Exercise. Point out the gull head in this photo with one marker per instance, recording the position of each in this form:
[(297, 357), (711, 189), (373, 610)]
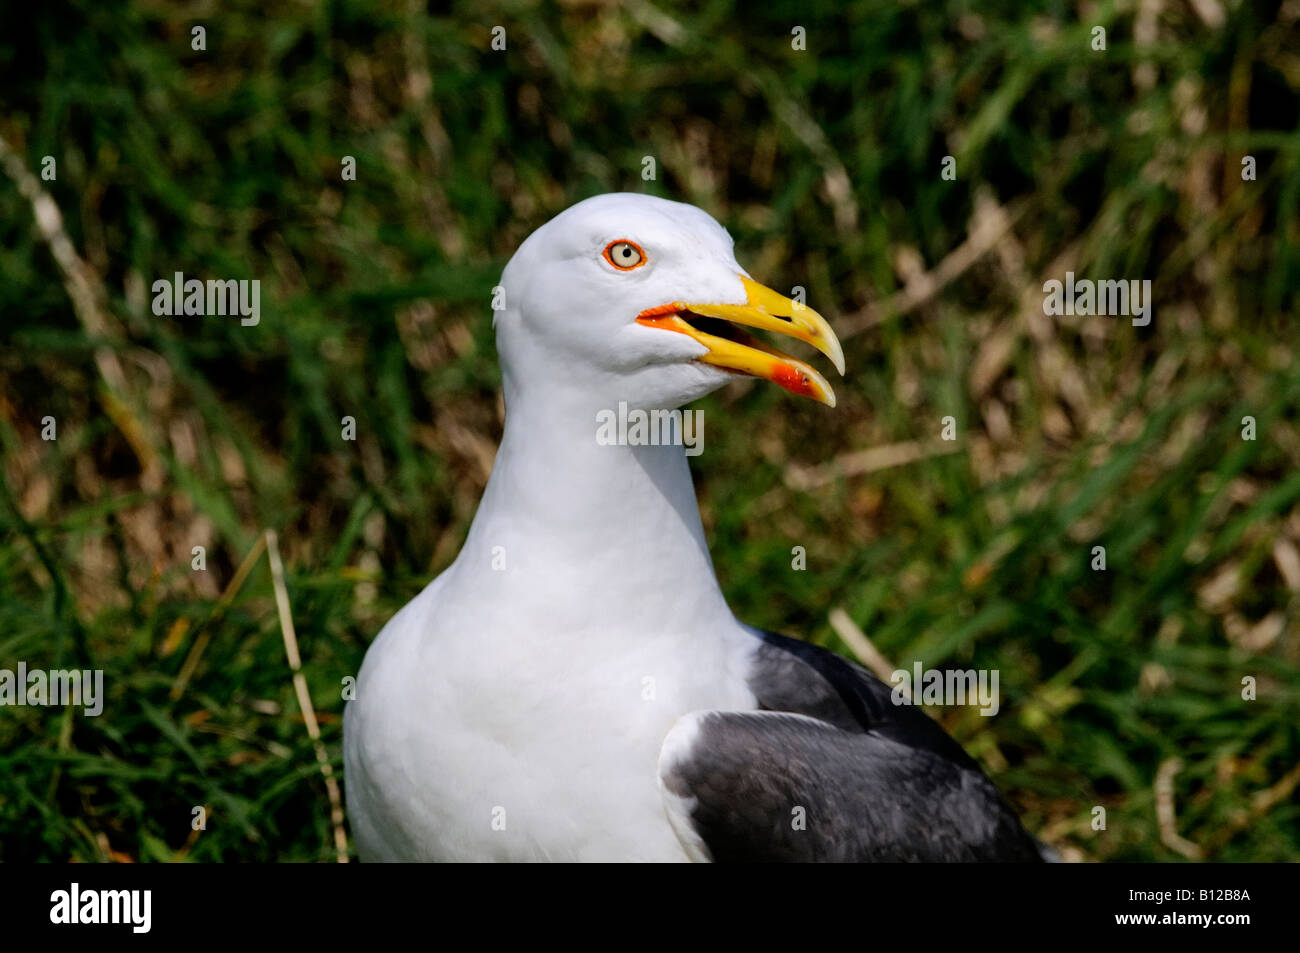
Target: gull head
[(627, 297)]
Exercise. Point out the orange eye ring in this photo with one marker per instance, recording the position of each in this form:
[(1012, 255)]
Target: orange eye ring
[(624, 254)]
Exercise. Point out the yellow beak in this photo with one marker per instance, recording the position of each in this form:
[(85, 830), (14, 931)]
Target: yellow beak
[(743, 353)]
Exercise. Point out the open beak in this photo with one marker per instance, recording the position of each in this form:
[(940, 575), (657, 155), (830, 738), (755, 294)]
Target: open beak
[(732, 349)]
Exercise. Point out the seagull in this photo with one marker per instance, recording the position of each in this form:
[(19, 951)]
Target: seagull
[(574, 686)]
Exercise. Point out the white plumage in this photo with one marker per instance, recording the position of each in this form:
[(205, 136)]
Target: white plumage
[(517, 713), (517, 709)]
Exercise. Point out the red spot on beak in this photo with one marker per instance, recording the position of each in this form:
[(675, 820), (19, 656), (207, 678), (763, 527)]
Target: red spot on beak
[(793, 380)]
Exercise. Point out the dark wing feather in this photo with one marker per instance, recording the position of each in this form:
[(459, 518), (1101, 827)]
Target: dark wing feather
[(830, 769)]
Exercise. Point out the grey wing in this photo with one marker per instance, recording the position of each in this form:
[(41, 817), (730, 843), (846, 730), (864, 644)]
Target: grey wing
[(830, 770)]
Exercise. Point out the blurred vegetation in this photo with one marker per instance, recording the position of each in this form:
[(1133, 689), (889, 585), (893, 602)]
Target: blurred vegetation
[(175, 432)]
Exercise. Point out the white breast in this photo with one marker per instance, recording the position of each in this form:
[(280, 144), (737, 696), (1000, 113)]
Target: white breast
[(477, 736)]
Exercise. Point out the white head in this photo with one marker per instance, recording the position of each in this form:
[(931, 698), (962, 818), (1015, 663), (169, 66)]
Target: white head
[(627, 297)]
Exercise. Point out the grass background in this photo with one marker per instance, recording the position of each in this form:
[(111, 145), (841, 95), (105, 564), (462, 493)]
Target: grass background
[(1120, 689)]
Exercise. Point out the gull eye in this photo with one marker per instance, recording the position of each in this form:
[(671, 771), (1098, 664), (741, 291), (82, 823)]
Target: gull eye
[(624, 255)]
